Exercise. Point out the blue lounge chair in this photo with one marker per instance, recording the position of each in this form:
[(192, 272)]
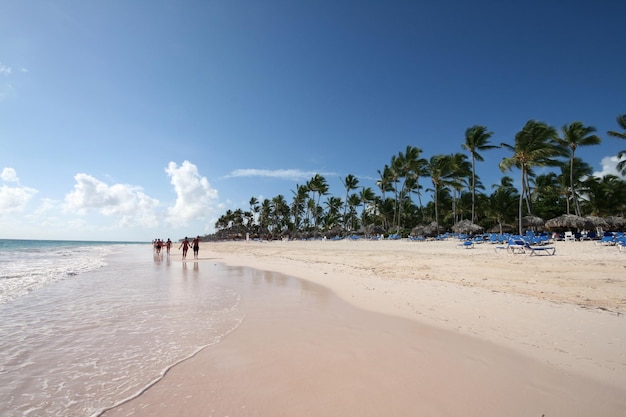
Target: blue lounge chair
[(607, 240), (468, 244), (516, 245), (539, 250)]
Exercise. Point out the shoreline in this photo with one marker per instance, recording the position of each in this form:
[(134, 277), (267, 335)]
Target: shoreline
[(366, 328)]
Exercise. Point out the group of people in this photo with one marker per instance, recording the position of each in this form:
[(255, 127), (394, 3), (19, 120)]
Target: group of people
[(159, 244), (195, 244), (185, 244)]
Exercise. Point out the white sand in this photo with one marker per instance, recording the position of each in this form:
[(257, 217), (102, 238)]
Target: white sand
[(567, 309), (489, 334)]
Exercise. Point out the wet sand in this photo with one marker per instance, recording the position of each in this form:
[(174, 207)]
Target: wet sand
[(422, 334)]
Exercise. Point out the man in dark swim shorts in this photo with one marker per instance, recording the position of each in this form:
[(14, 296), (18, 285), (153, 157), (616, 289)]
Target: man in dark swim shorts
[(196, 247)]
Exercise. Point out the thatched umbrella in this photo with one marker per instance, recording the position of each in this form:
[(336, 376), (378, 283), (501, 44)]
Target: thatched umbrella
[(374, 229), (505, 228), (566, 221), (615, 223), (532, 221), (333, 231), (418, 230), (466, 226), (595, 222), (428, 230)]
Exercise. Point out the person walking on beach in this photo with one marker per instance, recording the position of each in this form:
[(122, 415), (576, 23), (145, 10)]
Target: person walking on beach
[(196, 247), (168, 245), (185, 246)]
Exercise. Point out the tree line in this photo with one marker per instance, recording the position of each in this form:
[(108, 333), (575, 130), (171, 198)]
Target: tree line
[(456, 189)]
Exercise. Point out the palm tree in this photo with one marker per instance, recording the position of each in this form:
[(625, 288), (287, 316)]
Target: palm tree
[(535, 145), (350, 183), (279, 213), (502, 205), (461, 170), (606, 195), (621, 121), (440, 168), (476, 139), (574, 135), (410, 166), (299, 199), (353, 201), (318, 185), (578, 170), (254, 209), (332, 216), (366, 196), (394, 177), (264, 215), (548, 195), (384, 181)]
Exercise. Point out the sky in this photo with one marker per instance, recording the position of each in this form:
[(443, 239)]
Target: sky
[(133, 120)]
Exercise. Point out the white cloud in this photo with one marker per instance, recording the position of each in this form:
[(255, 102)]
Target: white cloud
[(609, 166), (13, 199), (196, 198), (126, 201), (286, 174), (9, 175)]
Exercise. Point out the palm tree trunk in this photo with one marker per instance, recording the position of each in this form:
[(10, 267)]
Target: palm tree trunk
[(571, 184), (473, 188), (437, 209), (521, 204)]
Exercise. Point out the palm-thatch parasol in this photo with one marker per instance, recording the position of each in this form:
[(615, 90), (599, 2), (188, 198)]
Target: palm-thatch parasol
[(428, 230), (502, 228), (372, 229), (532, 221), (595, 222), (566, 221), (418, 230), (334, 231), (615, 223), (431, 229), (466, 226)]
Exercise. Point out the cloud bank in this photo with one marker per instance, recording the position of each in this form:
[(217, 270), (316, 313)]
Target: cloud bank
[(128, 202)]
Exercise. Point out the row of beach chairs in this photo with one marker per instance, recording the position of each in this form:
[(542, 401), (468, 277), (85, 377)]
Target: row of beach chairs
[(519, 244), (613, 239)]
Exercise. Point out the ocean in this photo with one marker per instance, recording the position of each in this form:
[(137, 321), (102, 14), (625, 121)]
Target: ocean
[(85, 326)]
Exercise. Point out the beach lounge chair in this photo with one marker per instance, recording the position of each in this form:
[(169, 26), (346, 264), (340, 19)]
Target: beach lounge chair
[(569, 236), (516, 245), (607, 240), (539, 250), (468, 244)]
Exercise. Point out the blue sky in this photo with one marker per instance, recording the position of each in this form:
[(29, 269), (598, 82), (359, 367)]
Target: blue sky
[(130, 120)]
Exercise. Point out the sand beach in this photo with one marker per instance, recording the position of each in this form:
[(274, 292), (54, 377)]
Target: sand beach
[(398, 328)]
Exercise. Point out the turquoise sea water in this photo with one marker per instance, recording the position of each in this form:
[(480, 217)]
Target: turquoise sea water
[(87, 325), (26, 265)]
